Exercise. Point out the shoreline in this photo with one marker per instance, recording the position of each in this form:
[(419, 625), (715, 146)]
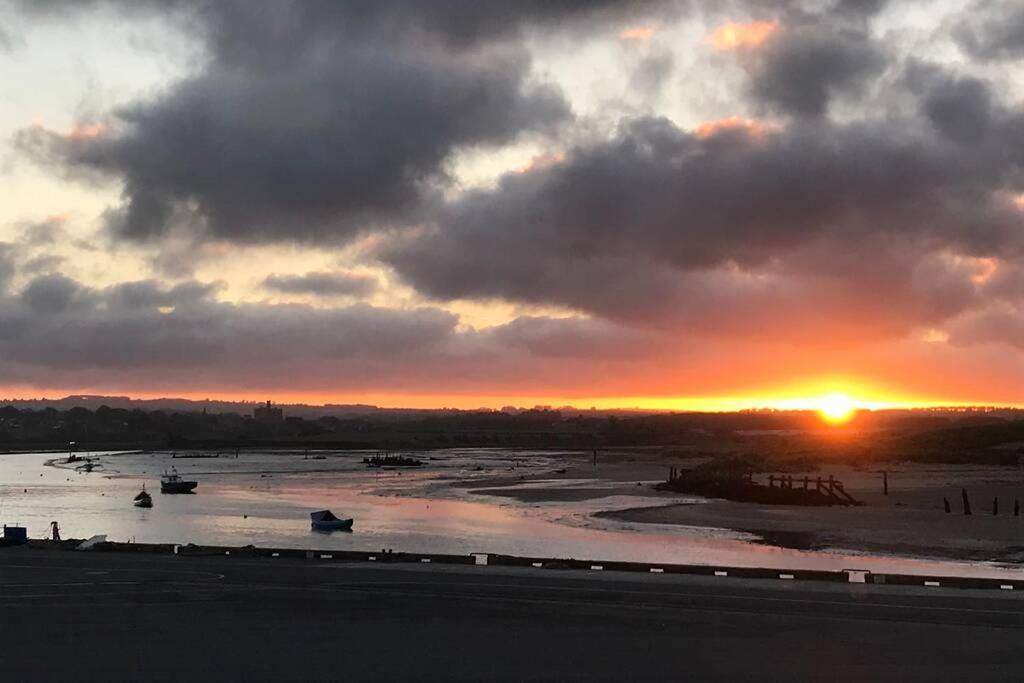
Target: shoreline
[(909, 522)]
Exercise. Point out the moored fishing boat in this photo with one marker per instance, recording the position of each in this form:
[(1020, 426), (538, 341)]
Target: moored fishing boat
[(143, 500), (172, 482), (325, 520)]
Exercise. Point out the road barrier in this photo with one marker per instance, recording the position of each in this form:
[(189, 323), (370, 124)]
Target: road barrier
[(492, 559)]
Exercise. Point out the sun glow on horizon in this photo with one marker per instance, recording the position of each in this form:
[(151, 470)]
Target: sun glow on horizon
[(836, 408)]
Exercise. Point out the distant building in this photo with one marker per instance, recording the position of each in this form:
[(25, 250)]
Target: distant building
[(268, 413)]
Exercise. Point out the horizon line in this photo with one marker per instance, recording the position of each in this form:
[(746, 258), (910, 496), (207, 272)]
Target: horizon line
[(741, 405)]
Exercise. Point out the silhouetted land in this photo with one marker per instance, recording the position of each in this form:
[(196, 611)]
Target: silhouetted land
[(768, 440), (109, 616)]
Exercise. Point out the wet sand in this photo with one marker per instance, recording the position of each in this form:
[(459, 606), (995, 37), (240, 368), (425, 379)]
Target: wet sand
[(910, 521)]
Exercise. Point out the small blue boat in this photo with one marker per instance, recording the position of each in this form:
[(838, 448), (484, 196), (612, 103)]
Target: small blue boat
[(324, 520)]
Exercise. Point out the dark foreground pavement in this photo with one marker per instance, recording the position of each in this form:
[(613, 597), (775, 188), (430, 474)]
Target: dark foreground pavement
[(113, 616)]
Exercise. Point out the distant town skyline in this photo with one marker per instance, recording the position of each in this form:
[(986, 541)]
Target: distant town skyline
[(661, 204)]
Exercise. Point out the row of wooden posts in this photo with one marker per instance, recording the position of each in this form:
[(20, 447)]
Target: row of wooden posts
[(967, 505)]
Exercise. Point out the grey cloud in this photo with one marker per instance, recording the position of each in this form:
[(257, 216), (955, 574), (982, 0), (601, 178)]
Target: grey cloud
[(728, 230), (226, 152), (144, 335), (650, 74), (142, 294), (313, 121), (7, 265), (961, 107), (52, 294), (568, 338), (43, 233), (998, 324), (46, 263), (323, 284), (801, 68), (992, 30)]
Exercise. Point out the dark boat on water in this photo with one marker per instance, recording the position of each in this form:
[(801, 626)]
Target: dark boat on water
[(172, 482), (392, 461), (143, 500), (325, 520)]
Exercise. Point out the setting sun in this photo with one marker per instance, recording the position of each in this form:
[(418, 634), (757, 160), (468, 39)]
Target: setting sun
[(836, 408)]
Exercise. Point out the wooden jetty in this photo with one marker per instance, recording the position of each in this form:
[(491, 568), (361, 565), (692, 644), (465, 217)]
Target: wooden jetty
[(781, 489)]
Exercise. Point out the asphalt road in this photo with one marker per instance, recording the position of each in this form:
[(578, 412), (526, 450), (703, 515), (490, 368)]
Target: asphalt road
[(114, 616)]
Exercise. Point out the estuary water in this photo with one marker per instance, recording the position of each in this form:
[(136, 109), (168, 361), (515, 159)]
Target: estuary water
[(264, 499)]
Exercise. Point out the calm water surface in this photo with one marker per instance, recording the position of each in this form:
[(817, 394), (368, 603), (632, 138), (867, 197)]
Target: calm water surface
[(265, 499)]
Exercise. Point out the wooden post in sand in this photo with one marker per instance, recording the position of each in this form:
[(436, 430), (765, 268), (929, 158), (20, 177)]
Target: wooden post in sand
[(967, 501), (1016, 507), (945, 504), (995, 507), (885, 483)]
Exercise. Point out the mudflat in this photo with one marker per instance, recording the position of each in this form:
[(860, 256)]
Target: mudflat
[(909, 521)]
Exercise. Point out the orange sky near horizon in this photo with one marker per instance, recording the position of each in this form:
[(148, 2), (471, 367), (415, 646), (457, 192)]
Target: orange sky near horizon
[(810, 398)]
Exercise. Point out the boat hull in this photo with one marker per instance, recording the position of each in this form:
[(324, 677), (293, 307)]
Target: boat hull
[(333, 525), (178, 486)]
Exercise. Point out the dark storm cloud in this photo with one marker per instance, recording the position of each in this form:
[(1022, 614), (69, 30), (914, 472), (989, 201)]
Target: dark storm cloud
[(801, 68), (663, 226), (330, 145), (312, 121), (991, 30), (50, 294), (323, 284), (961, 107)]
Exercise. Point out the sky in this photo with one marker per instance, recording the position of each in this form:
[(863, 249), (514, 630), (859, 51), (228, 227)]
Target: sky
[(610, 203)]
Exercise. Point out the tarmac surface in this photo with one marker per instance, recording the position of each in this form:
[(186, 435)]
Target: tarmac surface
[(121, 616)]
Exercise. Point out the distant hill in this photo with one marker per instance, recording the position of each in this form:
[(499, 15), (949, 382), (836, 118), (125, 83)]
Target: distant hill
[(211, 406)]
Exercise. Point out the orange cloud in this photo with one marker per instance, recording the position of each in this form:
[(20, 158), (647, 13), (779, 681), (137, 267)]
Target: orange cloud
[(87, 131), (637, 33), (751, 127), (541, 162), (82, 131), (739, 36)]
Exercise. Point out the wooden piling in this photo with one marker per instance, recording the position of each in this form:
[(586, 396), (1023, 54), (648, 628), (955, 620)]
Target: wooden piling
[(885, 483), (1016, 507), (967, 501), (995, 507), (945, 504)]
